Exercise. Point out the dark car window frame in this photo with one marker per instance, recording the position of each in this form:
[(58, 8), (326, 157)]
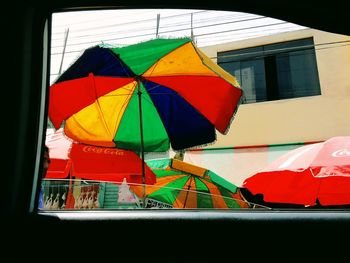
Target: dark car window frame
[(178, 236), (285, 215), (28, 136)]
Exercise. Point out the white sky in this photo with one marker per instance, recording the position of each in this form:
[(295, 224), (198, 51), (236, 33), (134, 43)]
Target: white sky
[(123, 27)]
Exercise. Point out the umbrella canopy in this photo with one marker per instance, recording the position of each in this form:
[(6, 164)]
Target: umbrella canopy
[(183, 185), (316, 172), (157, 93), (93, 162)]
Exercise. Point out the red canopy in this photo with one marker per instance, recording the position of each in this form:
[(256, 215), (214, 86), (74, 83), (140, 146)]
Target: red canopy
[(58, 168), (93, 162), (317, 171)]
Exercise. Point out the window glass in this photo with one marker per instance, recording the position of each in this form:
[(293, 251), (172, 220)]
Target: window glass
[(158, 109), (275, 71)]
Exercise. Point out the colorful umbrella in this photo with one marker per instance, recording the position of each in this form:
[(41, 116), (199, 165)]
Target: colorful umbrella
[(316, 172), (183, 185), (93, 162), (178, 93)]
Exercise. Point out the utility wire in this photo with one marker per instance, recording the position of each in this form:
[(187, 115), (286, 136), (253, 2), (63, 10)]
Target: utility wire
[(168, 25), (143, 21), (152, 34), (259, 54), (165, 27), (320, 46)]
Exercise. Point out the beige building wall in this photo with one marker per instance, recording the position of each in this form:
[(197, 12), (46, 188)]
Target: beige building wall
[(301, 119)]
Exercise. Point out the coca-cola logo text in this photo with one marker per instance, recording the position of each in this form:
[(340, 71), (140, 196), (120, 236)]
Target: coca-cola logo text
[(341, 153), (111, 151)]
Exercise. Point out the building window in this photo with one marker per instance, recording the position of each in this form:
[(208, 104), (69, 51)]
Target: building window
[(274, 72)]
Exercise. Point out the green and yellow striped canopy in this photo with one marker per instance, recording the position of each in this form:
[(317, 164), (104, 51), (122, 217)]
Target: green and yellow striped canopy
[(183, 185)]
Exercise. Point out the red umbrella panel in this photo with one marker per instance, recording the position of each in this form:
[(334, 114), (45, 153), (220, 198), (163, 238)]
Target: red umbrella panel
[(93, 162), (318, 172), (145, 97)]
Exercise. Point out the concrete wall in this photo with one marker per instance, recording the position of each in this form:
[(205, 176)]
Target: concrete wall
[(301, 119)]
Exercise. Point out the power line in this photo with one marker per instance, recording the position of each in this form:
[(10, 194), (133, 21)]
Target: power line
[(319, 46), (168, 26), (286, 49), (171, 31), (99, 18), (143, 21)]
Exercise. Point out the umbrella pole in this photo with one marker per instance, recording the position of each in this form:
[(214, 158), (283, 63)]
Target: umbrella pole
[(139, 93), (188, 189)]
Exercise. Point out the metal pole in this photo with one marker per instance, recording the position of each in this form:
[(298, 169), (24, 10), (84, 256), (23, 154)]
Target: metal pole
[(192, 35), (192, 27), (139, 93), (158, 21), (64, 50), (188, 189)]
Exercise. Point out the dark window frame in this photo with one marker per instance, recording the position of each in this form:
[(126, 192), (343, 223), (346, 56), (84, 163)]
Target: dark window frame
[(266, 71)]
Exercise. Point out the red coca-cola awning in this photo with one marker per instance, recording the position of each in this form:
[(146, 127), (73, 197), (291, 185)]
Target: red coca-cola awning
[(108, 164), (58, 168), (93, 162)]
